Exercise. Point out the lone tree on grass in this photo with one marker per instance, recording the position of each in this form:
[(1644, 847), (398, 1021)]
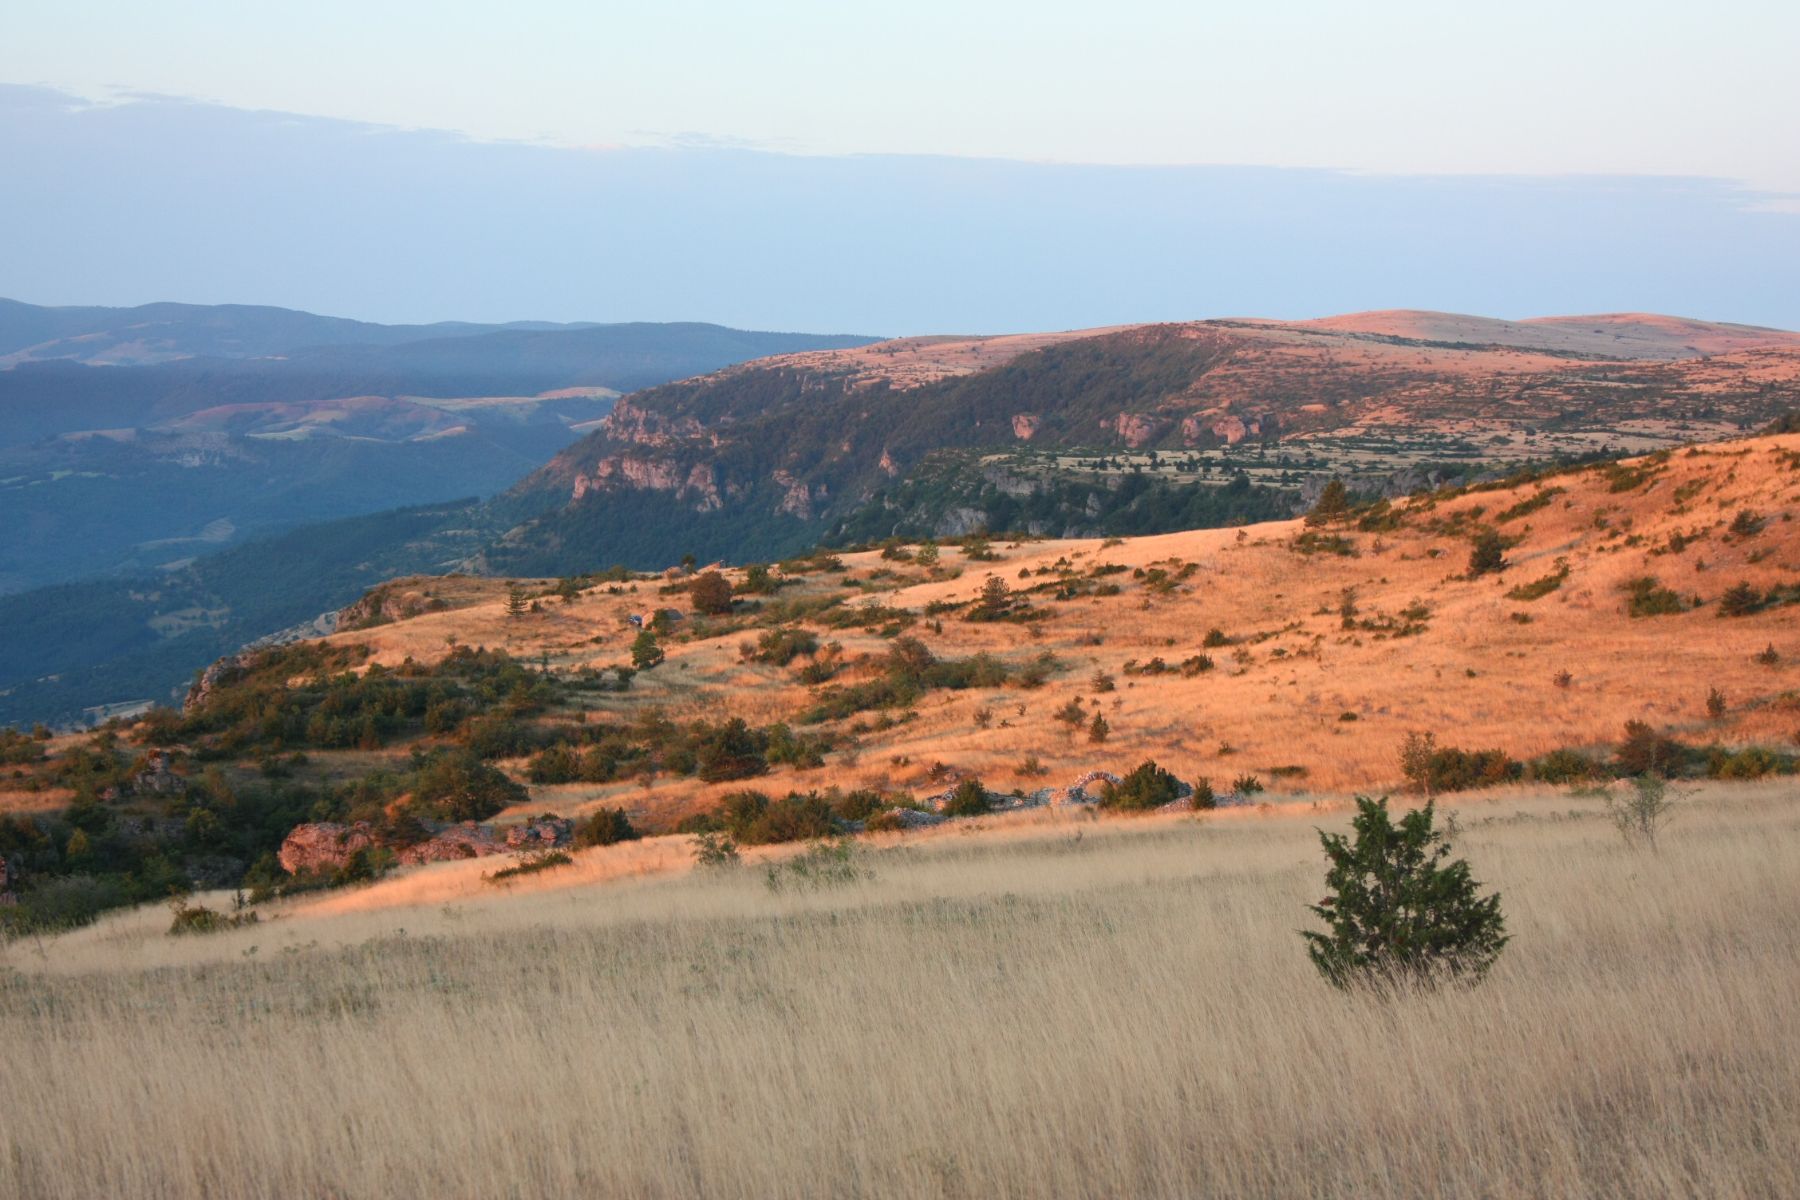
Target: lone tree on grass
[(1399, 913), (515, 600), (1488, 554), (712, 594)]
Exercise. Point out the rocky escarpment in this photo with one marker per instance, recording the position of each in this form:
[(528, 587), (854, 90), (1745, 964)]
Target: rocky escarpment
[(322, 847)]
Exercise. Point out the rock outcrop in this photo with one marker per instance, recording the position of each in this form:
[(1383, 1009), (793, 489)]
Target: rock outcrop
[(323, 846)]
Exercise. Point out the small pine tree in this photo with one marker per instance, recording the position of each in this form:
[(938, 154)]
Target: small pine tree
[(1332, 504), (1488, 554), (1098, 729), (515, 600), (1397, 911)]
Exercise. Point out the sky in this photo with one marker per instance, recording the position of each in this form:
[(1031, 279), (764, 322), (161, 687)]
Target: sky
[(1519, 158)]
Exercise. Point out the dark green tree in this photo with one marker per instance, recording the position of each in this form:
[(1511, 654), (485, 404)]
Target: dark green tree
[(1398, 911), (1332, 504), (515, 600), (645, 651), (1488, 554)]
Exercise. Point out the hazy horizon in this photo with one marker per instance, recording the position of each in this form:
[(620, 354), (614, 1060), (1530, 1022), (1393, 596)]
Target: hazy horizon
[(168, 199)]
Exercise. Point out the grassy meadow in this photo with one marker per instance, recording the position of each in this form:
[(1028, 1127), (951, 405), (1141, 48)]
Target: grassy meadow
[(1031, 1006)]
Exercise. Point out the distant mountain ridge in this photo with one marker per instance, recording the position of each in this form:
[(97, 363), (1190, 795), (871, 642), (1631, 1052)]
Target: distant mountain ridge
[(840, 439), (255, 421), (167, 331)]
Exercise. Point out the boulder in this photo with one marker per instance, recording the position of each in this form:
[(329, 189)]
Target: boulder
[(323, 846), (545, 833), (453, 842), (156, 778)]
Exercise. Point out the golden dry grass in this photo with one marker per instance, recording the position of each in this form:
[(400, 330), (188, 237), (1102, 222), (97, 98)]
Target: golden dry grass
[(1476, 675), (1099, 1009)]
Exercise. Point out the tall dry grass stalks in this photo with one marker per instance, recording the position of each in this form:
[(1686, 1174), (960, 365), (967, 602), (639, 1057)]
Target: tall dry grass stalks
[(1107, 1009)]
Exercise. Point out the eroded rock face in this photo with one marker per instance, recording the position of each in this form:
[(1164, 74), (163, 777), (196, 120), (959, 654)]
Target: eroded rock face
[(545, 833), (224, 671), (698, 485), (1138, 429), (627, 422), (797, 499), (156, 778), (467, 840), (323, 846), (1025, 425)]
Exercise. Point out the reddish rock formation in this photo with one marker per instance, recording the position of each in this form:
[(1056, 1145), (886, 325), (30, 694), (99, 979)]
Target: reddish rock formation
[(1138, 429), (323, 846)]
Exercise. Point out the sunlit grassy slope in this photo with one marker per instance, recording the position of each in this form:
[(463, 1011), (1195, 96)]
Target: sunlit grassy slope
[(1063, 1007)]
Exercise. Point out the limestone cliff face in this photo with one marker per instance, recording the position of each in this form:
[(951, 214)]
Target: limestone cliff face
[(1226, 426), (1138, 429), (633, 423), (697, 485)]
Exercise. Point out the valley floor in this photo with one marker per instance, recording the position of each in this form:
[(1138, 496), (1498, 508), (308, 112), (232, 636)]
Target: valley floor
[(1069, 1006)]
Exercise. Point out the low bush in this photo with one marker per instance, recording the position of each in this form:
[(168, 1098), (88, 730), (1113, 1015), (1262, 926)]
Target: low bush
[(1562, 766), (605, 827), (1431, 768), (531, 864), (969, 799), (822, 865), (1646, 597), (1147, 786)]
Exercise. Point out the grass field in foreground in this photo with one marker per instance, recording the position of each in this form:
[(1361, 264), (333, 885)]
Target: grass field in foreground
[(1098, 1008)]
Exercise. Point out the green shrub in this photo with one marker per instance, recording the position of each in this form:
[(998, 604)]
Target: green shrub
[(1147, 786), (1562, 766), (1488, 554), (731, 751), (1537, 589), (821, 865), (531, 864), (754, 819), (780, 647), (455, 785), (969, 799), (197, 918), (1333, 503), (1431, 768), (605, 827), (1752, 762), (1398, 910), (715, 850), (1740, 600), (1646, 597)]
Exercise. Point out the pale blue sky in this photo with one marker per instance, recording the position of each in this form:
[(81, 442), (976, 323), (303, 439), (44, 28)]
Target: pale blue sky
[(1528, 86), (902, 169)]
